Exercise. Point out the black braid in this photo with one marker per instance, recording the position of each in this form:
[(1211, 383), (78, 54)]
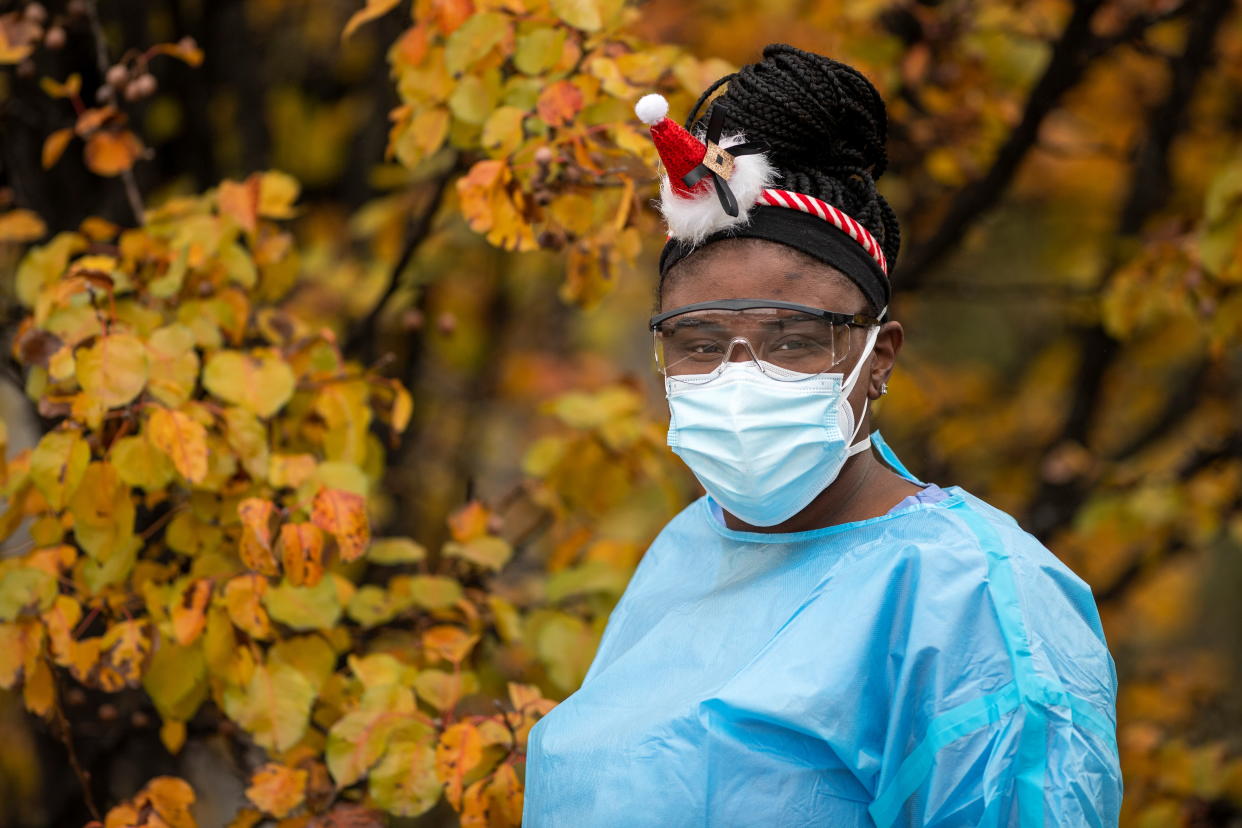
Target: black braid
[(826, 126)]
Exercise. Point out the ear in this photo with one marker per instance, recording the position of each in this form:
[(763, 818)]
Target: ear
[(884, 357)]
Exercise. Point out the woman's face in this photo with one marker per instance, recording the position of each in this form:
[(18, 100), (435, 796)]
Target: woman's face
[(758, 269)]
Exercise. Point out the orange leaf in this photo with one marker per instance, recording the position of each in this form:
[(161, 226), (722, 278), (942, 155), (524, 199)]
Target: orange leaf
[(170, 798), (559, 103), (54, 146), (243, 598), (450, 14), (505, 791), (372, 10), (186, 50), (183, 439), (21, 226), (469, 522), (112, 153), (277, 789), (301, 551), (449, 643), (240, 200), (256, 540), (460, 748), (344, 515), (189, 612)]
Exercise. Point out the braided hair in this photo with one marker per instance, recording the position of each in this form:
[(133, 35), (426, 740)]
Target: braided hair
[(825, 126)]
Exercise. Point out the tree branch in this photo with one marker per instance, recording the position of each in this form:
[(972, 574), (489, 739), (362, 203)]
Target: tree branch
[(364, 335), (101, 59), (1056, 503), (1065, 68)]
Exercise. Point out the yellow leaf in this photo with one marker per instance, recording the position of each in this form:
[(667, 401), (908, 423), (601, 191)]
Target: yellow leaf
[(172, 734), (369, 12), (39, 689), (103, 512), (188, 611), (343, 514), (185, 50), (505, 791), (301, 553), (540, 50), (172, 364), (54, 146), (183, 439), (256, 540), (21, 226), (57, 465), (488, 552), (581, 14), (18, 36), (260, 381), (243, 598), (111, 153), (170, 798), (460, 748), (277, 789), (502, 132), (114, 369), (290, 470), (277, 193), (124, 650)]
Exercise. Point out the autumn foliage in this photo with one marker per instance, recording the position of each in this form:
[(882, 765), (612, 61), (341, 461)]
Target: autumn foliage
[(340, 461)]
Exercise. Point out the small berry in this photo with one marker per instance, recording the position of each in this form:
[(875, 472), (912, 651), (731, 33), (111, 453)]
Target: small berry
[(104, 94), (108, 712), (26, 69), (117, 76), (55, 38), (412, 319), (76, 8), (447, 323), (544, 155), (35, 13)]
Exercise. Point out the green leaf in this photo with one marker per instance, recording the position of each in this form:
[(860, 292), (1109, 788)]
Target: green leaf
[(405, 782), (540, 50), (176, 680), (395, 551), (431, 592), (260, 381), (141, 464), (488, 552), (474, 39), (23, 589), (273, 706), (305, 607)]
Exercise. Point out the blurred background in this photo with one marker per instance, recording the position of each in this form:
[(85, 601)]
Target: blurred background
[(1069, 180)]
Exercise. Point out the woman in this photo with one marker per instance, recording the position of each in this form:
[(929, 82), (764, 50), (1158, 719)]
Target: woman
[(822, 639)]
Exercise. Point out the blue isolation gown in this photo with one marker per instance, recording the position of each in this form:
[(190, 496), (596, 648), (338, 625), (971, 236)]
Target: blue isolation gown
[(932, 666)]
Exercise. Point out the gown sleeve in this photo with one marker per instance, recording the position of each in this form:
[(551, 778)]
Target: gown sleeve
[(1029, 738)]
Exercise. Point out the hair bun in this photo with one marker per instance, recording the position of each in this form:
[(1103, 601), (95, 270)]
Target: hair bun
[(825, 125)]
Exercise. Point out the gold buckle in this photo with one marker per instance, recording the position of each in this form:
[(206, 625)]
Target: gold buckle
[(718, 160)]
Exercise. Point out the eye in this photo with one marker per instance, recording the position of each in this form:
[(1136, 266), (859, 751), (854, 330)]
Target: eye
[(705, 348), (793, 345)]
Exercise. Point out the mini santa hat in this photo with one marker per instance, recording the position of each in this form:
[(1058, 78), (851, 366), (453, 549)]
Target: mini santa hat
[(708, 185)]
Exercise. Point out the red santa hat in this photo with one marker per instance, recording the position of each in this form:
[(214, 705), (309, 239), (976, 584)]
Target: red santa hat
[(709, 183)]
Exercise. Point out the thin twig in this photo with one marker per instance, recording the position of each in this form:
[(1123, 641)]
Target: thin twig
[(101, 60), (66, 736)]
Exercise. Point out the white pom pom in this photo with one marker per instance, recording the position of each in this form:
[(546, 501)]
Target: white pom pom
[(651, 109)]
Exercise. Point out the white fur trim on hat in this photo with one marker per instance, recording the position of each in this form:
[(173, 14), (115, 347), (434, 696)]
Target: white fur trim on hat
[(694, 219)]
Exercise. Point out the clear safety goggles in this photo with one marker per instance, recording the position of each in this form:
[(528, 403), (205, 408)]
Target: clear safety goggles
[(693, 343)]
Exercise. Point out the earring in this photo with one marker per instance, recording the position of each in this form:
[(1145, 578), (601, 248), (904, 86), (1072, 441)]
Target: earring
[(883, 389)]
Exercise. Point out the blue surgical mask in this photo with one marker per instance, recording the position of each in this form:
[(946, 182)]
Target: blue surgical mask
[(764, 448)]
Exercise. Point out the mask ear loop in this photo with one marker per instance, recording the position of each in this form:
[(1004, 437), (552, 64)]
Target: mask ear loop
[(848, 386)]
